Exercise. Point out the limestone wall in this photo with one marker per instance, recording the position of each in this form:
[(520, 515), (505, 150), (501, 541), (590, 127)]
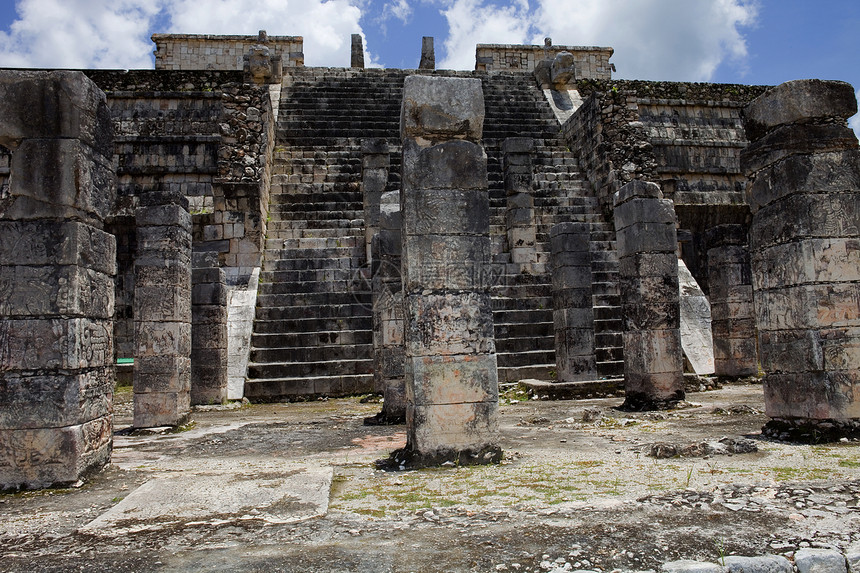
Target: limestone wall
[(687, 137), (591, 62), (205, 135), (210, 52)]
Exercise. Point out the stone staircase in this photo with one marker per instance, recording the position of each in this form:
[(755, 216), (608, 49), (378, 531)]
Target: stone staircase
[(522, 302), (312, 332)]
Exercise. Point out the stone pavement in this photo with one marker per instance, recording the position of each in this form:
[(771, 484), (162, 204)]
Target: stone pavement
[(292, 487)]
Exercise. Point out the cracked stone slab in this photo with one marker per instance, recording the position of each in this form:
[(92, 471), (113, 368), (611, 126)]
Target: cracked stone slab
[(270, 491)]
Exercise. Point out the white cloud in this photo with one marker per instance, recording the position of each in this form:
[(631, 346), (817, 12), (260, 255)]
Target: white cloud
[(325, 26), (653, 39), (80, 34), (399, 9), (473, 22), (115, 33), (854, 122)]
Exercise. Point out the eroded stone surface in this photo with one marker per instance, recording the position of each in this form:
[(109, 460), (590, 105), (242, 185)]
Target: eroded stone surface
[(57, 271), (451, 378)]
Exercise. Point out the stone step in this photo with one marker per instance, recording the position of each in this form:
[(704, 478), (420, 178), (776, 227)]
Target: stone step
[(527, 316), (281, 254), (525, 358), (610, 369), (269, 370), (313, 324), (305, 264), (524, 344), (311, 339), (276, 389), (609, 354), (320, 243), (608, 325), (608, 340), (520, 330), (533, 371), (312, 299), (517, 303), (309, 354), (303, 311), (309, 275), (309, 286), (274, 231)]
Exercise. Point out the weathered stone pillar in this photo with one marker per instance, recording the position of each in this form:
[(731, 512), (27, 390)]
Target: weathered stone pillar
[(573, 312), (451, 377), (428, 54), (375, 163), (356, 57), (520, 214), (388, 345), (648, 266), (804, 168), (57, 269), (208, 330), (732, 310), (162, 310)]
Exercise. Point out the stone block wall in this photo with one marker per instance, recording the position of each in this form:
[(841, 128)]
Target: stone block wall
[(212, 52), (591, 62), (687, 137), (206, 136), (57, 267)]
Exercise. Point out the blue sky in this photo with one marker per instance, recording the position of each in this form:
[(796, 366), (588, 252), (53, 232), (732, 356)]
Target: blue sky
[(743, 41)]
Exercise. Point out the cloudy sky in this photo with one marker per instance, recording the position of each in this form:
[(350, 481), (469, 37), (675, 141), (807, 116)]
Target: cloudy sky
[(745, 41)]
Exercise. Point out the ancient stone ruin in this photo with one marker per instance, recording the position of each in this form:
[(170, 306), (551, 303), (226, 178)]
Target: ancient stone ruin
[(243, 226)]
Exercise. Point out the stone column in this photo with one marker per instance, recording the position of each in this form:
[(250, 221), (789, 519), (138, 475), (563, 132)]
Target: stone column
[(803, 163), (732, 310), (57, 269), (573, 312), (388, 346), (451, 377), (520, 214), (428, 54), (356, 57), (375, 163), (648, 267), (162, 310), (208, 330)]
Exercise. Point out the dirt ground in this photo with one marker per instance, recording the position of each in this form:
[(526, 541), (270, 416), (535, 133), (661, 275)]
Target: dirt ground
[(577, 489)]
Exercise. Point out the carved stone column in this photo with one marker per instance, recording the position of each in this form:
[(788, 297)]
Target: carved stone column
[(451, 377), (648, 265), (57, 268), (573, 313), (732, 309), (804, 168), (162, 310), (388, 344), (208, 330), (520, 214)]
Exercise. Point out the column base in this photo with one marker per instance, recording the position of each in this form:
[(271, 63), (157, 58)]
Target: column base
[(809, 431), (409, 459)]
